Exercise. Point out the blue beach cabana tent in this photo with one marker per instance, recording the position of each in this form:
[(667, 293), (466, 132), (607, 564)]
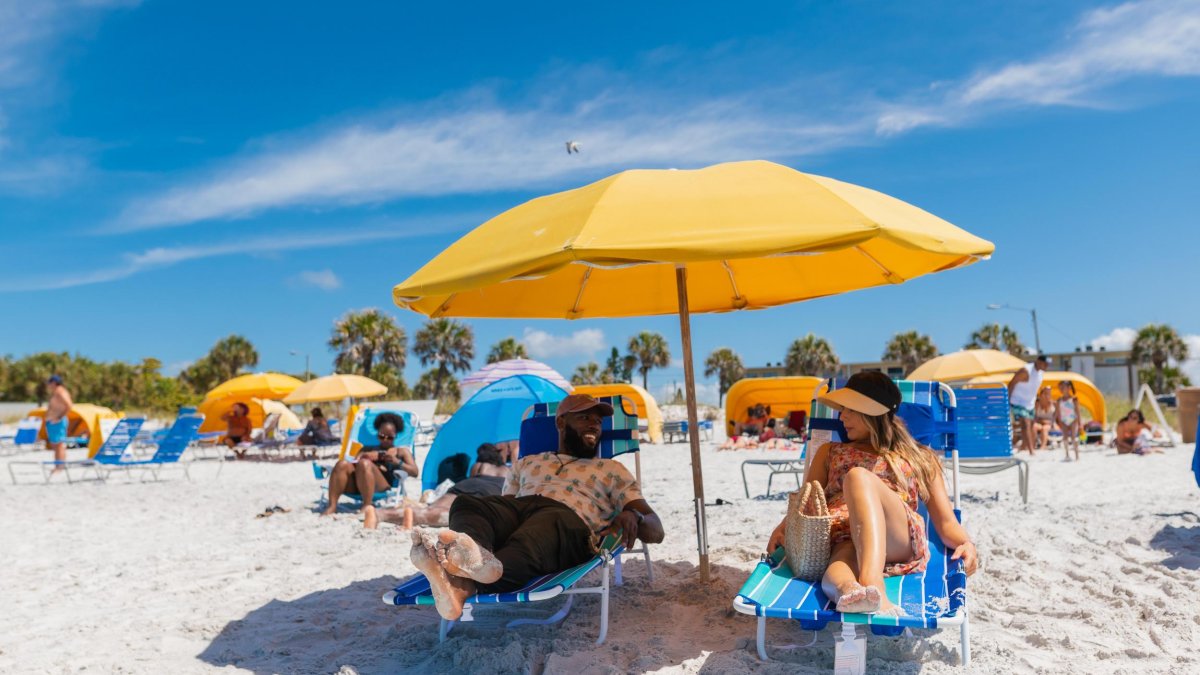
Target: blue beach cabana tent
[(492, 415)]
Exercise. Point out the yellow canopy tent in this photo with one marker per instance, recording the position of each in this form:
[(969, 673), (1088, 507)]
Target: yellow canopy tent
[(783, 394), (741, 235), (94, 420), (965, 364), (1090, 397), (255, 385), (647, 407), (259, 409)]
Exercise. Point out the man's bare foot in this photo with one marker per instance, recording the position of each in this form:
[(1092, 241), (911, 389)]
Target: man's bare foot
[(462, 557), (859, 599), (449, 593), (58, 469), (370, 519)]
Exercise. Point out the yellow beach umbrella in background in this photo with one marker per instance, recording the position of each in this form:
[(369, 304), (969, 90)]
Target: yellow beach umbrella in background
[(964, 365), (256, 385), (335, 388), (743, 235), (1089, 395), (213, 409)]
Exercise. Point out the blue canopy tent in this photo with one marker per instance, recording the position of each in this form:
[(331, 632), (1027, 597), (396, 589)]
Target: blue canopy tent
[(492, 415)]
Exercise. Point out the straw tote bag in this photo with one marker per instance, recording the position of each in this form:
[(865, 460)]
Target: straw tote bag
[(806, 534)]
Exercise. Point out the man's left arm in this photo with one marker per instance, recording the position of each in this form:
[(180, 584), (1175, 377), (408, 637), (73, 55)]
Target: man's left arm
[(637, 521)]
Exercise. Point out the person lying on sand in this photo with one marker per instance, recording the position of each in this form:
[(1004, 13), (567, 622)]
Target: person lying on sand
[(374, 470), (554, 507), (872, 484), (487, 480)]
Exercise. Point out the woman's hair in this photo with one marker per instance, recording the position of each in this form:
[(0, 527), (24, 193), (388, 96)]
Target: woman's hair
[(1136, 415), (489, 454), (316, 412), (1069, 385), (243, 407), (396, 420), (888, 434)]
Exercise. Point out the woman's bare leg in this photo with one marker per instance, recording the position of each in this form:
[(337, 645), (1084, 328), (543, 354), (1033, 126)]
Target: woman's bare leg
[(339, 479), (369, 480), (878, 527), (841, 577)]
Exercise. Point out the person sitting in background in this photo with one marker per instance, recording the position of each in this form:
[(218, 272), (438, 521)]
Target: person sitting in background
[(238, 427), (1043, 417), (1066, 414), (317, 432), (374, 470), (1134, 435), (769, 432), (756, 420), (486, 479)]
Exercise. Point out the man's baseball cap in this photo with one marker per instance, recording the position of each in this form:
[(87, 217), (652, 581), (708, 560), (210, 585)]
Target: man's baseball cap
[(54, 379), (582, 403), (869, 393)]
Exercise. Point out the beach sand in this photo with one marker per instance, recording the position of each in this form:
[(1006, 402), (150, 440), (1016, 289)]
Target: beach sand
[(1099, 573)]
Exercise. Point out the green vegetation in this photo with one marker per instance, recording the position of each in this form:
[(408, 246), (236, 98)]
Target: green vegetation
[(996, 336), (506, 350), (727, 366), (911, 349), (650, 351), (1158, 345), (811, 355)]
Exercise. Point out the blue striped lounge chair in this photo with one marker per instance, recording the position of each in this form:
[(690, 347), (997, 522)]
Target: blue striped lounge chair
[(362, 433), (538, 434), (24, 437), (167, 455), (934, 598), (114, 448), (985, 435)]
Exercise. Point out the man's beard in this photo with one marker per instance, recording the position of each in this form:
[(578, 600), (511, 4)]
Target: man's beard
[(574, 445)]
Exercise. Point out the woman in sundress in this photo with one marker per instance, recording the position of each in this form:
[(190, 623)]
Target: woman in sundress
[(872, 484)]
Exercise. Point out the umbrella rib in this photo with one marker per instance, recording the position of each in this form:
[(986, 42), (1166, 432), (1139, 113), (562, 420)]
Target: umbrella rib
[(738, 301), (891, 276), (587, 274), (445, 306)]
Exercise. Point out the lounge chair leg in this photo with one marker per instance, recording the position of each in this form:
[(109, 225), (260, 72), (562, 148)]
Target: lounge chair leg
[(1023, 476), (649, 567), (964, 645), (769, 479), (444, 629), (617, 577), (603, 606), (745, 485), (761, 638)]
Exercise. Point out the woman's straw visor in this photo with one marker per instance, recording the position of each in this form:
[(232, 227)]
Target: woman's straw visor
[(848, 399)]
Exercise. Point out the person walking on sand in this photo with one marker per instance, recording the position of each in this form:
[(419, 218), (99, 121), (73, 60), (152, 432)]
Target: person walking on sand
[(872, 483), (555, 508), (374, 470), (1022, 392), (57, 408)]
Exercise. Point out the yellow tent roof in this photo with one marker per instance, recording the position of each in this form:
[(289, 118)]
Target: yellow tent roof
[(259, 409), (1090, 397), (647, 407), (335, 388), (83, 416), (965, 364), (783, 394), (257, 385)]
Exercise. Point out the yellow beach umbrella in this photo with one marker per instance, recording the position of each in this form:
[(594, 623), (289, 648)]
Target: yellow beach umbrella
[(1089, 395), (213, 409), (743, 235), (256, 385), (966, 364), (335, 388)]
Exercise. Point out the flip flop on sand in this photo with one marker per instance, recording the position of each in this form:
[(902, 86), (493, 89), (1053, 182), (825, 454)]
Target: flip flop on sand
[(272, 510)]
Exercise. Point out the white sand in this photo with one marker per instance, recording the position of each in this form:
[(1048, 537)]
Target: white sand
[(1098, 574)]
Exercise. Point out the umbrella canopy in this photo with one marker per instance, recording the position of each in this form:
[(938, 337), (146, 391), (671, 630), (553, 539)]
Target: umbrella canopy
[(213, 409), (743, 235), (645, 407), (335, 388), (783, 394), (256, 385), (502, 369), (1089, 395), (966, 364)]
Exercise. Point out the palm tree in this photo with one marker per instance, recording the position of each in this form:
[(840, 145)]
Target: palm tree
[(230, 356), (996, 336), (447, 344), (365, 339), (1158, 344), (911, 349), (588, 373), (507, 349), (447, 396), (648, 351), (727, 366), (811, 355)]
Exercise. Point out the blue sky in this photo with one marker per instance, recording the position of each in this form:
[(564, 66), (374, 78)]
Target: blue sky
[(171, 173)]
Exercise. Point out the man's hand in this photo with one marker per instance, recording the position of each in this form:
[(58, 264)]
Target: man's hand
[(626, 523)]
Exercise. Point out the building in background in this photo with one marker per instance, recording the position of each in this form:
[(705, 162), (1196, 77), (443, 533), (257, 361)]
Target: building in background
[(1114, 373)]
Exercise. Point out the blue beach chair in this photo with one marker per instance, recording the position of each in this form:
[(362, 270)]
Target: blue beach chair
[(114, 448), (25, 436), (985, 435), (362, 434), (934, 598), (538, 434), (168, 454)]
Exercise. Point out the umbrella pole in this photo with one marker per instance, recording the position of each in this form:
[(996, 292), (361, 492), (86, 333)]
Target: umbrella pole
[(689, 380)]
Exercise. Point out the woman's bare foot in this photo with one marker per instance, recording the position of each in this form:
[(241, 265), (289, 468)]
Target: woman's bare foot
[(462, 557), (329, 510), (859, 599), (449, 593), (370, 518)]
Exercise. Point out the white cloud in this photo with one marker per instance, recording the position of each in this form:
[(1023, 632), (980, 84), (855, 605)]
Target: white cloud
[(1158, 38), (1115, 340), (325, 279), (543, 345)]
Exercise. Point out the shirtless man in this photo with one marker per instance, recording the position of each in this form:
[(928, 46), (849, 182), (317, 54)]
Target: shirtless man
[(56, 419)]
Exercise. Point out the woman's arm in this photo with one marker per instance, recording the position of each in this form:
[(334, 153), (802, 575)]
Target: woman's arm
[(941, 515), (818, 470), (407, 463)]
